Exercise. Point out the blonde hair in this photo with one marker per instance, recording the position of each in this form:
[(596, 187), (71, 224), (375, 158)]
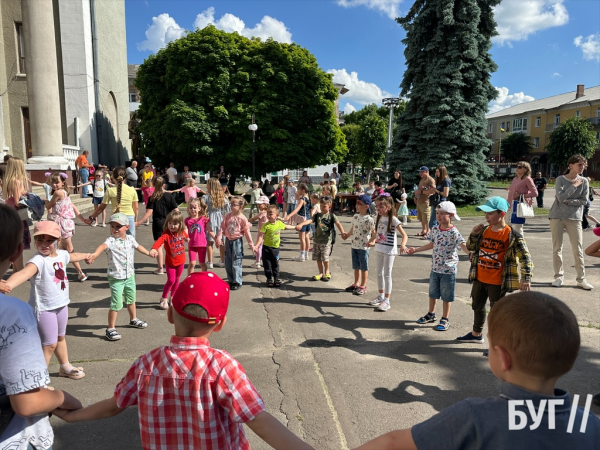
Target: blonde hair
[(56, 177), (202, 208), (177, 218), (15, 179), (390, 214), (238, 199), (190, 181), (216, 193), (159, 190), (527, 168), (118, 175)]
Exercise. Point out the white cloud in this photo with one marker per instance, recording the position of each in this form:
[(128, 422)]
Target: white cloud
[(591, 47), (360, 91), (267, 28), (348, 108), (388, 7), (163, 30), (504, 100), (556, 75), (518, 19)]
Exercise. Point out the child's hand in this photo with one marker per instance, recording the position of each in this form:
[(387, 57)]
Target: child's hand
[(153, 253), (524, 285), (90, 258), (371, 244), (477, 229), (410, 250), (344, 236), (298, 227), (218, 243), (403, 250), (4, 287), (87, 221)]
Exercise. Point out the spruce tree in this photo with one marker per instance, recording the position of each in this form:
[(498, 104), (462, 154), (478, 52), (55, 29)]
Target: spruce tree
[(447, 79)]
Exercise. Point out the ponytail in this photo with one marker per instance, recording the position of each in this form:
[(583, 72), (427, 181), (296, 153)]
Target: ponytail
[(118, 175)]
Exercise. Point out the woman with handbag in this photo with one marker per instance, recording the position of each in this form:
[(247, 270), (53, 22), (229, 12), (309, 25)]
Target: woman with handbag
[(566, 213), (521, 190)]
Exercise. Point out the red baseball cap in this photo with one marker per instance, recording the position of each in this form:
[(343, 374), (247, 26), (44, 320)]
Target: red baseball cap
[(204, 289)]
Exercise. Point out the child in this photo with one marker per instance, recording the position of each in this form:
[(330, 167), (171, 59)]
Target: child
[(49, 295), (262, 204), (286, 179), (445, 242), (217, 400), (23, 370), (270, 234), (386, 247), (147, 191), (302, 210), (403, 209), (173, 238), (234, 226), (121, 275), (190, 190), (323, 240), (497, 251), (217, 206), (291, 197), (279, 196), (62, 211), (534, 340), (363, 227), (198, 226), (254, 192), (99, 184)]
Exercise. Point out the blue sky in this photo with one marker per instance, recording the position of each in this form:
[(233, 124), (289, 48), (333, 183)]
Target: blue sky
[(545, 47)]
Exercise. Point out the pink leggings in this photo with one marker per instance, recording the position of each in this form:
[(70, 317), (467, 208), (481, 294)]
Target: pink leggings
[(52, 324), (173, 275)]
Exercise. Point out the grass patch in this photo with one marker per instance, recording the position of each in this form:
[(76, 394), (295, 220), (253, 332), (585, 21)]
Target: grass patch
[(506, 184), (469, 211), (589, 325)]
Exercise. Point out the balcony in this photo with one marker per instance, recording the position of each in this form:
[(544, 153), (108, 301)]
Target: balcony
[(595, 121), (552, 126), (71, 153)]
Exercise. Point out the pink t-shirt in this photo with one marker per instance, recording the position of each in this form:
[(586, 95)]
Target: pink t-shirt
[(190, 192), (262, 219), (234, 227), (196, 231)]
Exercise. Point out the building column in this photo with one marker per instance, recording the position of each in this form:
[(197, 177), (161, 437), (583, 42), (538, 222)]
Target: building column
[(42, 84)]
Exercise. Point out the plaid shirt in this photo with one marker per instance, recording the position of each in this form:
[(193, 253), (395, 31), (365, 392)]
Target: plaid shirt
[(516, 251), (190, 396)]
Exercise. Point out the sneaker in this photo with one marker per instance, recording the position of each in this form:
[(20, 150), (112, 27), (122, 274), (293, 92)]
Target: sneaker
[(443, 325), (584, 284), (470, 338), (112, 335), (82, 277), (299, 258), (95, 224), (209, 265), (235, 286), (427, 318), (558, 282), (220, 264), (384, 306), (277, 282), (103, 225), (376, 301), (159, 272), (351, 288), (360, 290), (137, 323), (486, 353), (255, 265)]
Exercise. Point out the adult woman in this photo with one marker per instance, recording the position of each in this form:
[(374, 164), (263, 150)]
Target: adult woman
[(146, 173), (123, 199), (325, 178), (305, 178), (440, 193), (395, 186), (160, 204), (269, 191), (522, 185), (566, 213), (223, 178)]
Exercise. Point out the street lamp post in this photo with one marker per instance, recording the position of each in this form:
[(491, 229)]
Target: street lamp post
[(390, 103), (253, 127)]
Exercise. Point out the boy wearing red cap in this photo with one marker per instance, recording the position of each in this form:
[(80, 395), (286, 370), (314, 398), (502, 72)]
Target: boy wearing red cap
[(216, 400)]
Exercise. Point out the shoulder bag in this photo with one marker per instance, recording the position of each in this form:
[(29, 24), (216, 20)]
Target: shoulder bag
[(524, 210)]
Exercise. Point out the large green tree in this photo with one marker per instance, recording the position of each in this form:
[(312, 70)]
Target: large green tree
[(516, 146), (573, 136), (447, 79), (198, 95)]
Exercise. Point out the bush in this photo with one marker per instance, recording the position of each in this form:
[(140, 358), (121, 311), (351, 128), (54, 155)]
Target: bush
[(345, 182)]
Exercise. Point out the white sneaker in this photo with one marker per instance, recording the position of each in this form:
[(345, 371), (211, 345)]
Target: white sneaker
[(82, 277), (209, 265), (583, 284), (255, 265), (558, 282), (376, 301), (384, 306), (220, 264), (299, 258)]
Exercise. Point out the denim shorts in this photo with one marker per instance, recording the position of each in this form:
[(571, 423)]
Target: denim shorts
[(97, 200), (441, 285), (360, 259)]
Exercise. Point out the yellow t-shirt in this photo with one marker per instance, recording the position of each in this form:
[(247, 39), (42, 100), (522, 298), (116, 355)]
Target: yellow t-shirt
[(128, 197), (146, 175)]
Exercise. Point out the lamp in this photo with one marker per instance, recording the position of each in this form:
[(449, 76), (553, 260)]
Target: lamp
[(253, 127)]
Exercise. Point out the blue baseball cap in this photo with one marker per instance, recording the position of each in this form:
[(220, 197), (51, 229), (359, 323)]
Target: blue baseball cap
[(424, 169), (494, 204), (366, 199)]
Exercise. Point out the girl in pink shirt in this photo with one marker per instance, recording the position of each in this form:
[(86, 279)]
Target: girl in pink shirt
[(198, 224), (190, 190)]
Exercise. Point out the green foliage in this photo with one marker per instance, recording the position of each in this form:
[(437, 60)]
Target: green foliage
[(345, 181), (356, 117), (198, 95), (516, 146), (574, 136), (447, 77), (351, 132)]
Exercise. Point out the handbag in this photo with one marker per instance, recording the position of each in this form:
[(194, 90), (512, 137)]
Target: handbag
[(524, 210)]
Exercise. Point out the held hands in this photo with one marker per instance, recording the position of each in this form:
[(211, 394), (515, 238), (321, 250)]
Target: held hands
[(153, 253), (4, 287), (87, 221), (403, 250), (298, 227), (90, 258), (218, 243), (344, 236), (410, 250)]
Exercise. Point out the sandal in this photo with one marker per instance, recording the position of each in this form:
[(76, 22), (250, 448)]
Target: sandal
[(327, 277), (164, 304), (270, 283), (277, 283), (159, 272), (317, 277), (74, 374)]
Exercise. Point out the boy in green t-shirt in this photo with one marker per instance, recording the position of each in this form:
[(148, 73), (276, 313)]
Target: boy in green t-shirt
[(270, 240), (323, 238)]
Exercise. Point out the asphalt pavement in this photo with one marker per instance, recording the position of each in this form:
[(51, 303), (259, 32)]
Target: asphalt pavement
[(328, 366)]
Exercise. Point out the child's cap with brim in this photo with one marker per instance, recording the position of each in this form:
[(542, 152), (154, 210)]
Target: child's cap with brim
[(494, 204), (262, 200), (204, 289), (119, 218), (47, 227), (448, 207)]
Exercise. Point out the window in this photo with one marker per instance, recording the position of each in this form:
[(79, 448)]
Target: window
[(577, 113), (556, 119), (26, 132), (519, 125), (536, 142), (132, 97), (490, 128), (598, 112), (538, 122), (20, 47), (594, 166)]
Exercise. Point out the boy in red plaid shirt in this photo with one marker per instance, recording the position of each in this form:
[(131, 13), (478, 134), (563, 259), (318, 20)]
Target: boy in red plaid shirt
[(189, 395)]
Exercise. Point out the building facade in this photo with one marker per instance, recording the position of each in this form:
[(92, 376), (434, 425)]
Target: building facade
[(539, 118), (63, 74)]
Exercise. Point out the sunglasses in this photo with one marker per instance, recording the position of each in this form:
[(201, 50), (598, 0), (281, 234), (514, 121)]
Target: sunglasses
[(325, 198), (520, 167)]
